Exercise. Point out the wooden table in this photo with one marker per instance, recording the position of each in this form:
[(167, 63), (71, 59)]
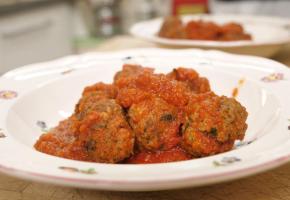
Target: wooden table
[(272, 185)]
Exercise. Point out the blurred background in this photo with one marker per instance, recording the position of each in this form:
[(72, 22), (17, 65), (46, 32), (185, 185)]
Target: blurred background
[(39, 30)]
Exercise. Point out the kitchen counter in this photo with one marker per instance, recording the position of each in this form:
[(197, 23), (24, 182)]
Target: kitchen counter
[(126, 42), (271, 185)]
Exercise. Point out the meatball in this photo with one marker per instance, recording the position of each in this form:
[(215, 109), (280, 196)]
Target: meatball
[(200, 30), (62, 141), (130, 71), (103, 129), (213, 124), (106, 90), (172, 28), (89, 103), (191, 79), (156, 124), (146, 85), (98, 132), (233, 31)]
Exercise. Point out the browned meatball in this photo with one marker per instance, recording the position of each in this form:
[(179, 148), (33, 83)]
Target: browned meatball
[(191, 79), (89, 103), (172, 27), (213, 124), (232, 32), (130, 71), (156, 124), (146, 85), (62, 141), (103, 129), (106, 90), (201, 30)]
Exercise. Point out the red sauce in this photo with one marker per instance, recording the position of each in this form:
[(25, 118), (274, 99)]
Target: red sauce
[(172, 155), (236, 90), (144, 117)]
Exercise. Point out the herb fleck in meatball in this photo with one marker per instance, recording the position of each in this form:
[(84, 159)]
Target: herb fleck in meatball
[(213, 124), (155, 123)]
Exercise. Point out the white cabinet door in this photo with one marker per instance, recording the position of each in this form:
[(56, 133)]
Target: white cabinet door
[(35, 35)]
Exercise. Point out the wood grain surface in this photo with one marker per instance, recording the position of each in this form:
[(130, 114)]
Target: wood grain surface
[(271, 185)]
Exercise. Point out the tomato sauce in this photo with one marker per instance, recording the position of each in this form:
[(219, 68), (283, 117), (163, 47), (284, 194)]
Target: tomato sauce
[(144, 117)]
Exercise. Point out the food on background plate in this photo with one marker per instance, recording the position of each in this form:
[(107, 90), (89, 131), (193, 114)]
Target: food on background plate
[(145, 117), (174, 28)]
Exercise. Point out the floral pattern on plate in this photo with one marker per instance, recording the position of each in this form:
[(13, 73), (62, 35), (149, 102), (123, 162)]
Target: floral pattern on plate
[(127, 58), (8, 94), (273, 77), (42, 125), (76, 170), (68, 71), (243, 143), (2, 135), (225, 161), (130, 60), (136, 60)]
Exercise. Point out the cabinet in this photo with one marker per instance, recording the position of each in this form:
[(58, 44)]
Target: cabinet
[(35, 35)]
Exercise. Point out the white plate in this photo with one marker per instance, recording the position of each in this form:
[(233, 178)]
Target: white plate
[(36, 97), (269, 34)]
